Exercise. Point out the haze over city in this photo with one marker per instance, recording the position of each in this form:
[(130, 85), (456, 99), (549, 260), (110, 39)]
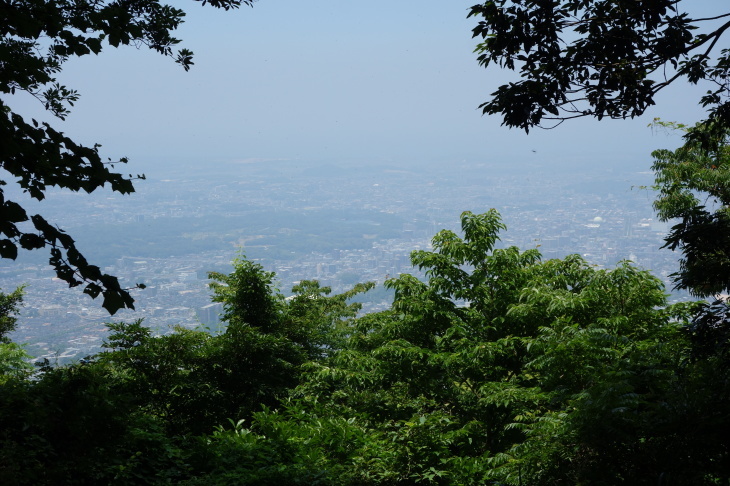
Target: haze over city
[(357, 115)]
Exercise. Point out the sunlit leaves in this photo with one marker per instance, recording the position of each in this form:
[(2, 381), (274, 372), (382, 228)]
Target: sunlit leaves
[(503, 358), (9, 308), (545, 372), (694, 192)]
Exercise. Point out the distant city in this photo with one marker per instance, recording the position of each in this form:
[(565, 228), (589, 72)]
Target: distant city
[(336, 222)]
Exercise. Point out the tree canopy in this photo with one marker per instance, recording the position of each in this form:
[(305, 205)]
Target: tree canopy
[(498, 368), (693, 186), (38, 37), (599, 58)]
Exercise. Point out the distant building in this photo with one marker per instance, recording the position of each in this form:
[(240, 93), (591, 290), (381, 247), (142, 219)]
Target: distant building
[(210, 315)]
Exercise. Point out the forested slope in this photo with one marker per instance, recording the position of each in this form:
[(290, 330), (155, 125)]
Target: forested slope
[(501, 368)]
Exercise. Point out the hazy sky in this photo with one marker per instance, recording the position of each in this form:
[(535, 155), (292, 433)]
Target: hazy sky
[(329, 79)]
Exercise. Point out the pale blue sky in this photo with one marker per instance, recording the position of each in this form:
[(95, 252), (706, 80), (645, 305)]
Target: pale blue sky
[(329, 79)]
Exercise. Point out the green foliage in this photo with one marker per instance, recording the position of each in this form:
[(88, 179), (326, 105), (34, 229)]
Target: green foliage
[(38, 37), (499, 368), (311, 319), (73, 425), (192, 380), (290, 446), (13, 358), (147, 410), (503, 368), (14, 362), (9, 307), (248, 296), (600, 58), (694, 187)]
